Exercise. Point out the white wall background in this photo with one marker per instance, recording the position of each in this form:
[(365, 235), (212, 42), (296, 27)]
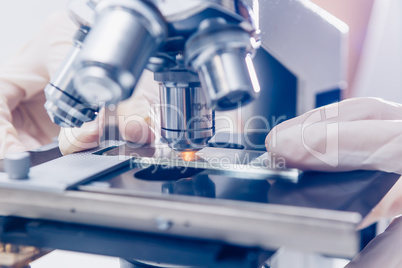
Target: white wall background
[(20, 20), (380, 69)]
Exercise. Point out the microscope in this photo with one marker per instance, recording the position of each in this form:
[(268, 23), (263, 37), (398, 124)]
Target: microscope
[(107, 202), (200, 52)]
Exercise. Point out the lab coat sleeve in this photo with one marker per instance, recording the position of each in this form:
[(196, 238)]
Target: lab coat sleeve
[(28, 72)]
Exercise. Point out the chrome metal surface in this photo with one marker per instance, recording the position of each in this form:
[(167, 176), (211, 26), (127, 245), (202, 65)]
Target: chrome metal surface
[(186, 121), (193, 12), (64, 104), (218, 53), (65, 110), (187, 140), (128, 35), (249, 224), (125, 35)]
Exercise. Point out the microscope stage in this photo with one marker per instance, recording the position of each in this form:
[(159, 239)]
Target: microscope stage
[(244, 203), (234, 162)]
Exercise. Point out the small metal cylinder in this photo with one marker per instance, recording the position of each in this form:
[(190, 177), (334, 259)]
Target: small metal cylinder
[(17, 165), (187, 124), (218, 53), (125, 34)]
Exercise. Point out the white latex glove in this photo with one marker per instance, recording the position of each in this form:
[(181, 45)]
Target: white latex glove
[(134, 114), (134, 120), (361, 133), (24, 123), (383, 251), (86, 137)]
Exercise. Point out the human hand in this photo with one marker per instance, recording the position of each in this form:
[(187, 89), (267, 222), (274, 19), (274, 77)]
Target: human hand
[(24, 123), (360, 133)]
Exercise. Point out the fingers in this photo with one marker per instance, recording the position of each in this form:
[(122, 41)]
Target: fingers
[(389, 207), (360, 133), (9, 139), (9, 145), (135, 128), (135, 113), (383, 250), (352, 110), (339, 146), (73, 140), (367, 109)]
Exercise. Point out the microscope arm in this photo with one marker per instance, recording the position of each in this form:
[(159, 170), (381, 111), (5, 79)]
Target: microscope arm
[(309, 42)]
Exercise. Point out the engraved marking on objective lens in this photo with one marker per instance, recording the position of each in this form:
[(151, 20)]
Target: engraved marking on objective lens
[(200, 106), (202, 119)]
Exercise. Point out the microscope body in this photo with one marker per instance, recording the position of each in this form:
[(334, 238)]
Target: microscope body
[(200, 52)]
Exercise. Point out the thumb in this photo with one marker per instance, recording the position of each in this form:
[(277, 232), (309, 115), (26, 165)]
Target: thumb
[(135, 113), (73, 140), (383, 250)]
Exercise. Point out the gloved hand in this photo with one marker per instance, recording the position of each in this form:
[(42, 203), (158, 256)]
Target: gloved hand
[(134, 120), (24, 123), (361, 133), (383, 251)]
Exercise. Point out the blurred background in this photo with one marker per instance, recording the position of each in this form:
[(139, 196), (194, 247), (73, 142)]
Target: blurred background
[(375, 50), (20, 20), (375, 46)]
